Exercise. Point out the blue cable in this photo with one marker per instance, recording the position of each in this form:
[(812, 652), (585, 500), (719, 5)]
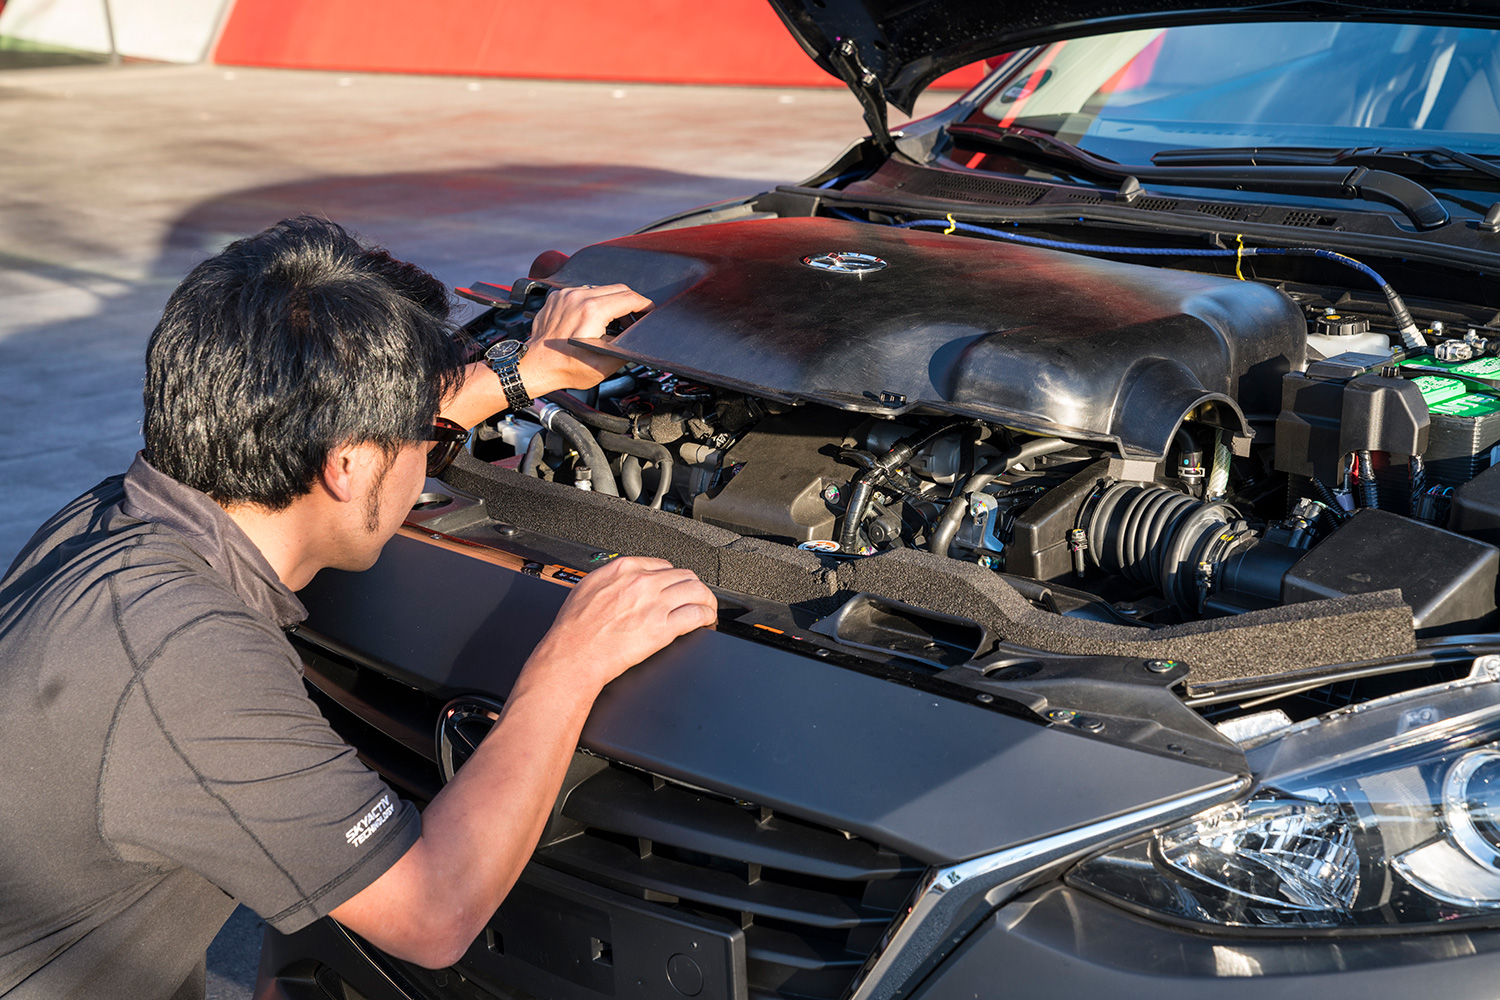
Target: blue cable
[(841, 177), (1404, 322)]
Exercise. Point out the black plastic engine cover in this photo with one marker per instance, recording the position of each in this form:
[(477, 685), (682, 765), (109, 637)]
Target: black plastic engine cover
[(1045, 341)]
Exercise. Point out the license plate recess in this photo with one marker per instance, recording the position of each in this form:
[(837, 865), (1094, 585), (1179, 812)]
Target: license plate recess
[(562, 938)]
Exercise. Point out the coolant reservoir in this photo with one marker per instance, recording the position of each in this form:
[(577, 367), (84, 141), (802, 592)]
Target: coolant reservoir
[(1339, 334)]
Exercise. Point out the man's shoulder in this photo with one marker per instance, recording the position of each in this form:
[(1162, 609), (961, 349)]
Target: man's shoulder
[(93, 565)]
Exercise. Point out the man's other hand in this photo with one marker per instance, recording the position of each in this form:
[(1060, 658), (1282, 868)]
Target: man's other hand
[(620, 614), (554, 358)]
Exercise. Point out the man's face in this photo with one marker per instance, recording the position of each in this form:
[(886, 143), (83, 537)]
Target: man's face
[(391, 496)]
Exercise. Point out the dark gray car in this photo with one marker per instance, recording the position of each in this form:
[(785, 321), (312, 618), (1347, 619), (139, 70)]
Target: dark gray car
[(1099, 483)]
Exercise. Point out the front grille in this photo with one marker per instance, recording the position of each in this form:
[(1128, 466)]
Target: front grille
[(813, 902)]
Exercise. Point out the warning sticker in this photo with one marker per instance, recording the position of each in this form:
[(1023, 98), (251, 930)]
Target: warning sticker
[(1435, 388), (1474, 404), (1479, 366)]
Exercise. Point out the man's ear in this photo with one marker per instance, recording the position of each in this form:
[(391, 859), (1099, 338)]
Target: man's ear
[(344, 471)]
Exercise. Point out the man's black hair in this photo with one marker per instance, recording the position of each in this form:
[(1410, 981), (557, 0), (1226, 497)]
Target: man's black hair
[(285, 346)]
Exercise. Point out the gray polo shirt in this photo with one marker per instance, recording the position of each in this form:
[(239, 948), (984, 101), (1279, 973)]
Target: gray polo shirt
[(160, 760)]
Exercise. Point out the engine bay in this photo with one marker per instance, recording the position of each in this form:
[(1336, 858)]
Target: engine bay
[(1136, 445)]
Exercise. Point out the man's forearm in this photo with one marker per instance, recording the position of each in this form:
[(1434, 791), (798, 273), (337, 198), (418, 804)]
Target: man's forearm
[(556, 357), (480, 830), (493, 811)]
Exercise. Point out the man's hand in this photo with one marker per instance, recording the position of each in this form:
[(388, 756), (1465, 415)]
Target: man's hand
[(480, 829), (620, 614), (554, 359)]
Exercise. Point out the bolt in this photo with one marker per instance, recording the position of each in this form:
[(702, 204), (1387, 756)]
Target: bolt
[(1161, 666), (985, 699), (1488, 665), (989, 562), (831, 493), (1175, 748), (1062, 715), (1092, 725)]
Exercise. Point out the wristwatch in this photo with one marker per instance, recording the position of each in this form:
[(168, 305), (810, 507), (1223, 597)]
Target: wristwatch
[(505, 358)]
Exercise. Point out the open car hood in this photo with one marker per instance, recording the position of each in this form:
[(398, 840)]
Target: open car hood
[(887, 51)]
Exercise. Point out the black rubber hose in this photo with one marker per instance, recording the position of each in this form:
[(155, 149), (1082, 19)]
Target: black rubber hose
[(585, 413), (859, 499), (1188, 449), (588, 449), (1369, 496), (617, 386), (1329, 500), (648, 450), (1417, 470), (953, 514), (531, 464), (630, 478), (879, 471)]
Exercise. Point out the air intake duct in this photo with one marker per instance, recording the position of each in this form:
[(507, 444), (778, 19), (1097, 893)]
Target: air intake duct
[(1201, 555)]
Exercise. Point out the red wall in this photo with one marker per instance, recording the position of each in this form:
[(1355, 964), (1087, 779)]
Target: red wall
[(659, 41)]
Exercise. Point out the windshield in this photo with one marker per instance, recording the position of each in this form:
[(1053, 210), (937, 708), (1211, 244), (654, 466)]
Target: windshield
[(1124, 96)]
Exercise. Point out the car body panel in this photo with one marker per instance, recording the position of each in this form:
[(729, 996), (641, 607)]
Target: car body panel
[(936, 778), (1060, 942), (989, 781)]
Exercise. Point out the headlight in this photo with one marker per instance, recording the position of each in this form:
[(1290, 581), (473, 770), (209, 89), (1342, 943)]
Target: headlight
[(1383, 815)]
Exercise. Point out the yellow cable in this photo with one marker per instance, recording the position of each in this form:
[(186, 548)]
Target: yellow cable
[(1239, 255), (951, 225)]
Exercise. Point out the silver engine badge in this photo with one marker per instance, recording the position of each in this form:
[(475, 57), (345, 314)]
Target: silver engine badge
[(844, 263)]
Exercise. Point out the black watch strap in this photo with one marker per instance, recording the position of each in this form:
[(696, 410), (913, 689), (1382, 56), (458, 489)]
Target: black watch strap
[(505, 359)]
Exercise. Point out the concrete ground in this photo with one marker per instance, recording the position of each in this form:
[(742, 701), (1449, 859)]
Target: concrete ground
[(114, 181)]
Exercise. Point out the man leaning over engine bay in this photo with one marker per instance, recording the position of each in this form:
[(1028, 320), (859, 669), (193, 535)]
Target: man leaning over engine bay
[(163, 761)]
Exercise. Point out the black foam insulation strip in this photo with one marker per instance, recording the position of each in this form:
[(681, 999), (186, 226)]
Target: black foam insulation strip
[(719, 557), (1264, 645), (1261, 645), (774, 571)]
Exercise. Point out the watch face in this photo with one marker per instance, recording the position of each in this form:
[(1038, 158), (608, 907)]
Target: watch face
[(505, 350)]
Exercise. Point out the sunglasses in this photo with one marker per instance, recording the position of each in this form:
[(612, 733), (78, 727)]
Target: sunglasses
[(449, 439)]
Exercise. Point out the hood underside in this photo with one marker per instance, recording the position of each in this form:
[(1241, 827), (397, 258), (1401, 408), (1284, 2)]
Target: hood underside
[(887, 51)]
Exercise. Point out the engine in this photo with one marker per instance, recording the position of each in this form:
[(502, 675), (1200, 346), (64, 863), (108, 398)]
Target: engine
[(1154, 445)]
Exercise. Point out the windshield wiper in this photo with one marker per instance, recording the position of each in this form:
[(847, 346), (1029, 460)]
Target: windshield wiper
[(1396, 159), (1313, 179)]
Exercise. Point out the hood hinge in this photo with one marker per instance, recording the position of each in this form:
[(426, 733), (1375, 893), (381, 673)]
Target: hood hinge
[(866, 86)]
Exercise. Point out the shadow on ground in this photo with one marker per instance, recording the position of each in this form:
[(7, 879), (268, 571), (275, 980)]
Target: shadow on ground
[(71, 386)]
